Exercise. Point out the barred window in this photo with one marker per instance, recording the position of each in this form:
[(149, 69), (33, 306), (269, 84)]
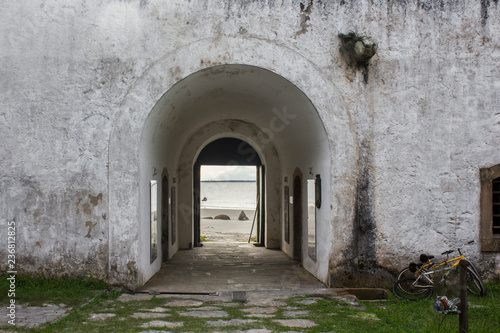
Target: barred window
[(495, 186), (490, 209)]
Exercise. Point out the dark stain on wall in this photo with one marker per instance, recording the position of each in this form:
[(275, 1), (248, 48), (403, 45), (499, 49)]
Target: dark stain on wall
[(485, 5), (364, 224), (359, 267)]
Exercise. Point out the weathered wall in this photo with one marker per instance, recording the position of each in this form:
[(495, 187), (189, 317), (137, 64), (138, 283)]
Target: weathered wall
[(407, 139)]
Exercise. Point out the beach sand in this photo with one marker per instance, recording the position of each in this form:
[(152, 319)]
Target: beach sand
[(232, 213), (231, 230)]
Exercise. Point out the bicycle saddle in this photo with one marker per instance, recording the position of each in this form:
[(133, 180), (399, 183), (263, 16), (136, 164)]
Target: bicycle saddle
[(413, 267), (425, 258)]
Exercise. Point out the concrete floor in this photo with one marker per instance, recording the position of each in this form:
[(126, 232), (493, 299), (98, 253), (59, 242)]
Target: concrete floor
[(231, 266)]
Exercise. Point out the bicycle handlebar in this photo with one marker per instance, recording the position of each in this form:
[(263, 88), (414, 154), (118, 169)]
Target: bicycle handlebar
[(451, 251)]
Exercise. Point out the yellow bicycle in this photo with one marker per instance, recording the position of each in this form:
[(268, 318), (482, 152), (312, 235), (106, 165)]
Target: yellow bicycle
[(417, 281)]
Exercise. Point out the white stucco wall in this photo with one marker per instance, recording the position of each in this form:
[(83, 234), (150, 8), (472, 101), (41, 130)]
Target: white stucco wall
[(79, 79)]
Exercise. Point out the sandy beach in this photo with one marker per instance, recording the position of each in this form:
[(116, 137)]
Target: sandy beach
[(231, 230)]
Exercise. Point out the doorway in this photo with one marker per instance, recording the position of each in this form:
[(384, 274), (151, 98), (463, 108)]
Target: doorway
[(219, 159), (228, 203)]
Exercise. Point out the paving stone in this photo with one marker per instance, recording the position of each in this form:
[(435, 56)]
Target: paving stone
[(232, 322), (157, 309), (184, 303), (149, 315), (260, 310), (296, 313), (259, 315), (303, 323), (230, 304), (255, 330), (134, 297), (309, 301), (101, 316), (204, 314), (267, 302), (32, 316), (161, 323), (352, 303), (208, 308)]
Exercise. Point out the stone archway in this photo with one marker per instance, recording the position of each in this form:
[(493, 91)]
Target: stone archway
[(240, 101), (249, 103)]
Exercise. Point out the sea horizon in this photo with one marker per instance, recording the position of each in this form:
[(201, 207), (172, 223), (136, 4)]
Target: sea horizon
[(228, 181), (234, 194)]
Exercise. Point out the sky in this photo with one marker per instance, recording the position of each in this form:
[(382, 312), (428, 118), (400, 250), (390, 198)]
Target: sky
[(224, 172)]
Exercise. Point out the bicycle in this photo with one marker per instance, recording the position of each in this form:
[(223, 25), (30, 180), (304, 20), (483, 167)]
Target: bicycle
[(417, 281)]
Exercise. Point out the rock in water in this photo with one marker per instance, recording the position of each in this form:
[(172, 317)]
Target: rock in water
[(243, 216), (222, 217)]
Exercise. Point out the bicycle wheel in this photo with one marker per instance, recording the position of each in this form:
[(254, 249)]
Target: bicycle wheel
[(411, 289), (474, 269), (475, 284), (405, 272)]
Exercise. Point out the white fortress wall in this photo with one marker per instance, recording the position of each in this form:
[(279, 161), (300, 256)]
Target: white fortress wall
[(406, 139)]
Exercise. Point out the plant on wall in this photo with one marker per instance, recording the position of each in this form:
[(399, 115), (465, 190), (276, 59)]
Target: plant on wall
[(355, 49)]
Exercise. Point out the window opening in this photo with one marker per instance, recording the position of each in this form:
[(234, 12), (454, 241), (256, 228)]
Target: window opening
[(311, 218), (154, 220), (173, 203)]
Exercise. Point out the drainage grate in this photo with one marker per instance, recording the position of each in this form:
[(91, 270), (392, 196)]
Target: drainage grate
[(239, 296)]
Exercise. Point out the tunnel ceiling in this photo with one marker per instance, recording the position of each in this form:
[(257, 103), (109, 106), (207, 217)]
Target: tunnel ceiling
[(236, 92)]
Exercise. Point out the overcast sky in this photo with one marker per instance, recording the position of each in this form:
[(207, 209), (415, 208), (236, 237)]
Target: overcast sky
[(224, 172)]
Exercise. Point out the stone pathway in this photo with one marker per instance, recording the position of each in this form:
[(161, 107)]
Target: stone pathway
[(249, 289), (262, 312), (215, 315), (32, 316)]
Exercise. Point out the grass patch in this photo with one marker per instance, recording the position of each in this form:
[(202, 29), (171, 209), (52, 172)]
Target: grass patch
[(204, 239), (87, 297), (36, 291)]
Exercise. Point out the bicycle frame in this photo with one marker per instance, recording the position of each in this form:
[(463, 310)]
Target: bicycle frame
[(424, 274)]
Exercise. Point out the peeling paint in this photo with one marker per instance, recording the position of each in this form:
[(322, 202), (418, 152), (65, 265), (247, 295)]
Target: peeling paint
[(87, 209), (305, 18), (95, 200)]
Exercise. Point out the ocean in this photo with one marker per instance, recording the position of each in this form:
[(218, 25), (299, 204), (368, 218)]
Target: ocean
[(228, 194)]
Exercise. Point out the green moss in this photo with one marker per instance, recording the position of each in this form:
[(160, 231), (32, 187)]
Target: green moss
[(348, 49)]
